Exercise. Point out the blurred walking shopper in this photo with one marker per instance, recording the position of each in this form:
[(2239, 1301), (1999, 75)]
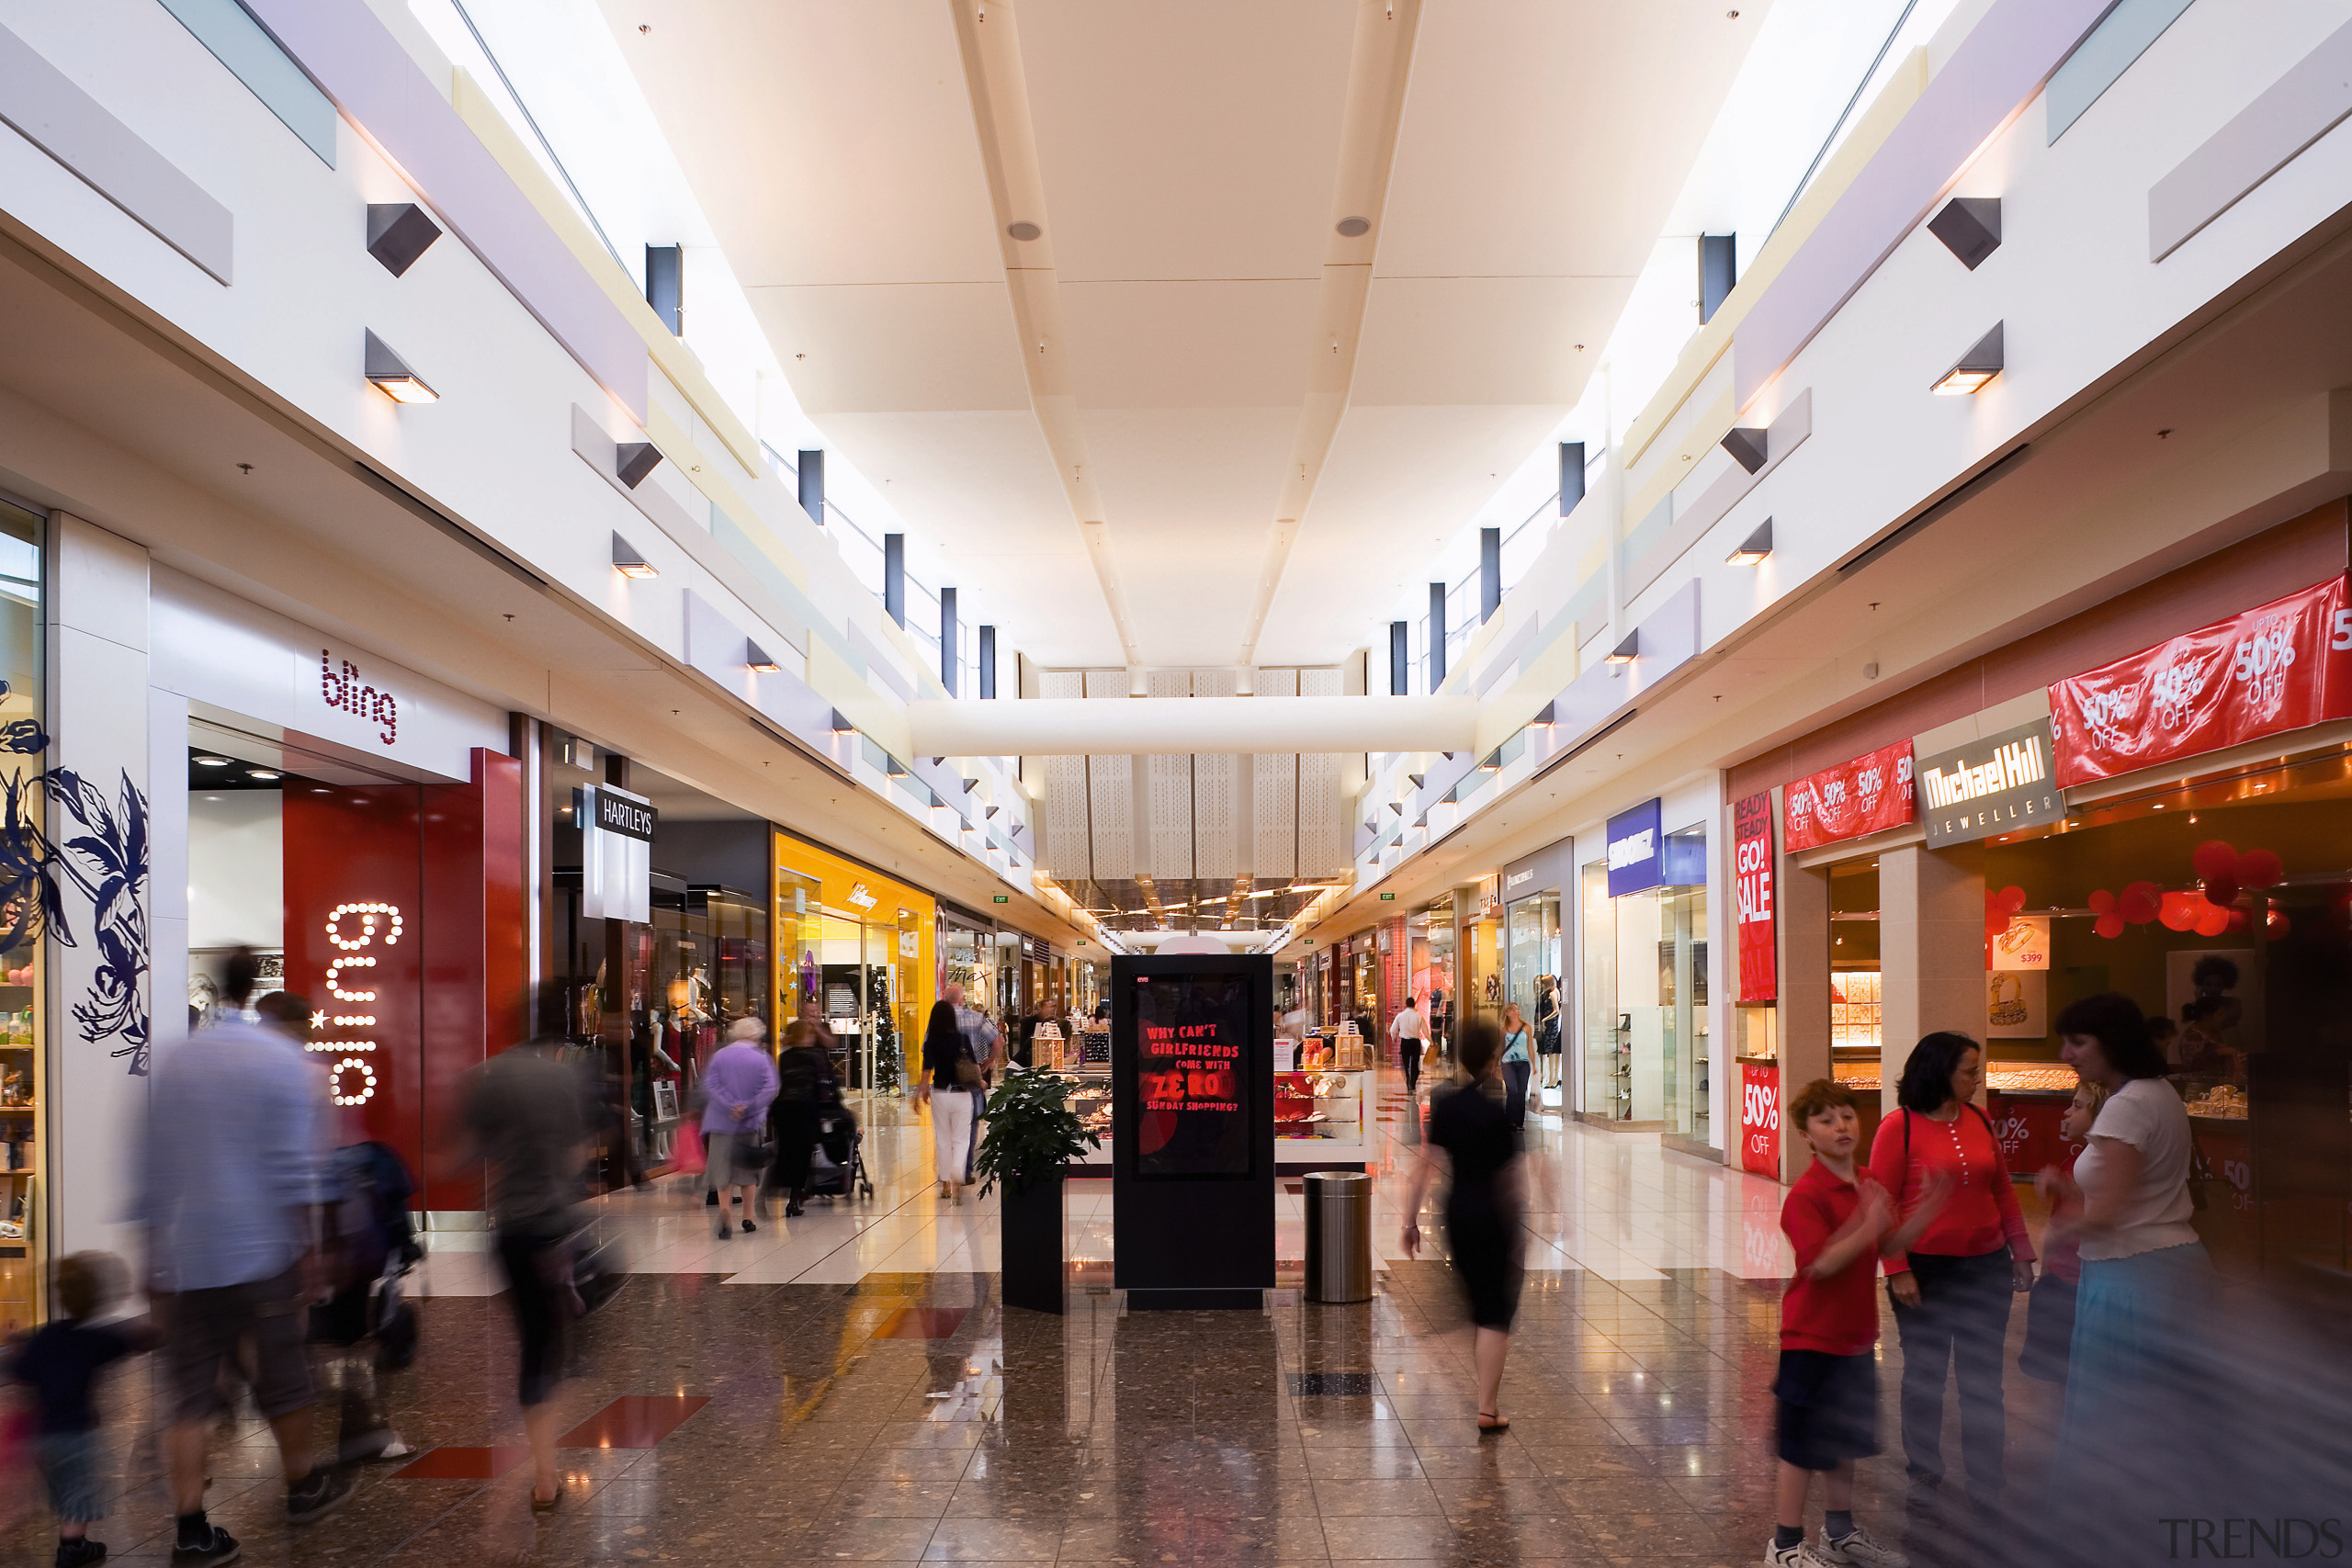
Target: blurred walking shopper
[(1406, 1029), (228, 1194), (1953, 1286), (2135, 1376), (1519, 1065), (951, 1081), (532, 1115), (982, 1035), (60, 1362), (1486, 1204), (740, 1085), (803, 1086)]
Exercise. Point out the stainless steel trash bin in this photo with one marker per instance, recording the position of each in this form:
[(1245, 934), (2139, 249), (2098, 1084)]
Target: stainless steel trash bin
[(1338, 1235)]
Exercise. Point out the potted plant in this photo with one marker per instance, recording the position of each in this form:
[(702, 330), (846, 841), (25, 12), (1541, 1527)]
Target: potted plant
[(1032, 1135)]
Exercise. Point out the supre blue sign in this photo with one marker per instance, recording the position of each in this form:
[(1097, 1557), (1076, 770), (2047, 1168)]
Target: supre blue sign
[(1636, 851)]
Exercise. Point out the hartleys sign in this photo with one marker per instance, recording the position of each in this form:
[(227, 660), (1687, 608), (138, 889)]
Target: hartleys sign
[(1869, 795), (2285, 665)]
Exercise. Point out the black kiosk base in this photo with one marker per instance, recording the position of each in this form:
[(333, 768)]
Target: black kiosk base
[(1193, 1131), (1195, 1301)]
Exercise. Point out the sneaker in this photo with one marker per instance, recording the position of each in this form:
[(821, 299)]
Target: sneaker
[(319, 1491), (1861, 1550), (1804, 1554), (220, 1547), (80, 1554)]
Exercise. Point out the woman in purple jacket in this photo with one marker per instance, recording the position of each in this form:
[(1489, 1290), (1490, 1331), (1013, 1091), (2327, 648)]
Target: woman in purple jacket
[(738, 1085)]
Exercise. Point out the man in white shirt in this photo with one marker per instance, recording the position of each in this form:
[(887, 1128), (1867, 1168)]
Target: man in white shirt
[(1406, 1029)]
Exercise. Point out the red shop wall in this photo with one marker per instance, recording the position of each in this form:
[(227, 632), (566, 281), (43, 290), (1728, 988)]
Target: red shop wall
[(354, 946), (446, 861)]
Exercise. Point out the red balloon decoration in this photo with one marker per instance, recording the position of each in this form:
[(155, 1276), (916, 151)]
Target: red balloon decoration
[(2139, 903), (2221, 891), (2010, 900), (2214, 859), (1995, 922), (2240, 921), (2109, 926), (2179, 911), (2259, 869), (2213, 920), (2276, 925), (2103, 902)]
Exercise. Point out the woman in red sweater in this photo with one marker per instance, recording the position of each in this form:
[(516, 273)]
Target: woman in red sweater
[(1953, 1289)]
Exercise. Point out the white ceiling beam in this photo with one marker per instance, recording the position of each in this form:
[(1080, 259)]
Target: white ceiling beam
[(1050, 727)]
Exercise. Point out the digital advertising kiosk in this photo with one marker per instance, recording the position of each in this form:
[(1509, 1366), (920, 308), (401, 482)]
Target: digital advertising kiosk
[(1193, 1129)]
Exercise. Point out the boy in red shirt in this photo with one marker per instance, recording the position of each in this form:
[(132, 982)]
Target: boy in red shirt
[(1827, 1386)]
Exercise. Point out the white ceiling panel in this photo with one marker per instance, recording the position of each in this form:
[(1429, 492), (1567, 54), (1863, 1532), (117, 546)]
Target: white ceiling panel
[(897, 347), (1197, 140), (1466, 340), (1184, 345), (829, 141)]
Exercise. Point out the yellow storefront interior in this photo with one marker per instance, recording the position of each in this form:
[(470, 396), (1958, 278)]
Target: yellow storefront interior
[(844, 931)]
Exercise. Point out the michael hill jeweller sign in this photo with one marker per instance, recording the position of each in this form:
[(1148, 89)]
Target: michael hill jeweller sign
[(1995, 785)]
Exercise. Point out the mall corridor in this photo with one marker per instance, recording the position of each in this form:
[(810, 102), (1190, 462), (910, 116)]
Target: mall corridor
[(1599, 752)]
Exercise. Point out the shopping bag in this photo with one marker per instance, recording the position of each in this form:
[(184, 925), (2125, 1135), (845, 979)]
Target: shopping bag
[(686, 1155)]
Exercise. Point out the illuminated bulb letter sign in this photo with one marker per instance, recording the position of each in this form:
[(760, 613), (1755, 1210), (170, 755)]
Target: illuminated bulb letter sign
[(354, 928)]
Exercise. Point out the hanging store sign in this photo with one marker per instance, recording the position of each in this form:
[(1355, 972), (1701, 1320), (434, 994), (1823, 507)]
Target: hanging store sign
[(615, 854), (1869, 795), (1636, 858), (1752, 839), (2285, 665), (1995, 785)]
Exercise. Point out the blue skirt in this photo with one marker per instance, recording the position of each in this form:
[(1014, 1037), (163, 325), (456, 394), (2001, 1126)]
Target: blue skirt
[(2140, 1323)]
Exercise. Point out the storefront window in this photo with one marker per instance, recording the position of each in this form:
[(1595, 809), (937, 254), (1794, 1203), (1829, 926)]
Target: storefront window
[(707, 957), (1856, 1040), (23, 1071), (871, 962), (1428, 969), (1647, 1039), (1482, 952), (1532, 934)]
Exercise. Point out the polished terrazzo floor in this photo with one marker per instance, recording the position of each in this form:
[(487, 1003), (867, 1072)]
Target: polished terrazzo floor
[(849, 1388)]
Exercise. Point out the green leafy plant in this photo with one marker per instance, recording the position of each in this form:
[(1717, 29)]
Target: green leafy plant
[(1031, 1132)]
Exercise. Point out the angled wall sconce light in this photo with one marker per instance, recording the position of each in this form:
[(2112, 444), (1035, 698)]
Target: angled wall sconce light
[(1546, 718), (1755, 547), (628, 562), (756, 658), (1746, 445), (392, 376), (1625, 652), (840, 724), (1970, 227), (632, 460), (1979, 365), (399, 233)]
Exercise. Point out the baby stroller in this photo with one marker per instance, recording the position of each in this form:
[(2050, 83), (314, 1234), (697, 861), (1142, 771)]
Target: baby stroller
[(837, 1165)]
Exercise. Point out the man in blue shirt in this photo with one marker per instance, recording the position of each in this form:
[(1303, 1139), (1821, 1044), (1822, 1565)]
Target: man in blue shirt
[(228, 1194)]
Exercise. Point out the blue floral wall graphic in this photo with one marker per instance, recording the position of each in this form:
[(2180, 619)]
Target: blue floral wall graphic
[(106, 864)]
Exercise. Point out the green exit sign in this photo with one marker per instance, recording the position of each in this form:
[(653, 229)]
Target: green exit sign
[(1004, 898), (1389, 898)]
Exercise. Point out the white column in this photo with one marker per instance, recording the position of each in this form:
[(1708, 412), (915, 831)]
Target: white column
[(100, 993)]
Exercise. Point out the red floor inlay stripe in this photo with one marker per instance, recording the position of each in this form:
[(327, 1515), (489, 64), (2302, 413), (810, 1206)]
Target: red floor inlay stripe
[(633, 1421), (461, 1465), (922, 1322)]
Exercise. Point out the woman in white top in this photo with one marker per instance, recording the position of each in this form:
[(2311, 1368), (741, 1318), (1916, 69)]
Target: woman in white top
[(2146, 1284)]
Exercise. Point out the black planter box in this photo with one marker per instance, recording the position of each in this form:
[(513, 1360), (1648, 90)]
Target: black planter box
[(1031, 1220)]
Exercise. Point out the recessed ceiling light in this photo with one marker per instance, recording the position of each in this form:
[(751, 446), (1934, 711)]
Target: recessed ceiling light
[(260, 774), (1023, 231), (212, 761), (1352, 228)]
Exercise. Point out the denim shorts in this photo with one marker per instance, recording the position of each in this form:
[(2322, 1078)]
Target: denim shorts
[(69, 1462)]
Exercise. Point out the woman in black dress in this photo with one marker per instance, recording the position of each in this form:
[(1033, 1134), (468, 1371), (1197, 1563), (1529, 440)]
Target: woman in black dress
[(1485, 1206)]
